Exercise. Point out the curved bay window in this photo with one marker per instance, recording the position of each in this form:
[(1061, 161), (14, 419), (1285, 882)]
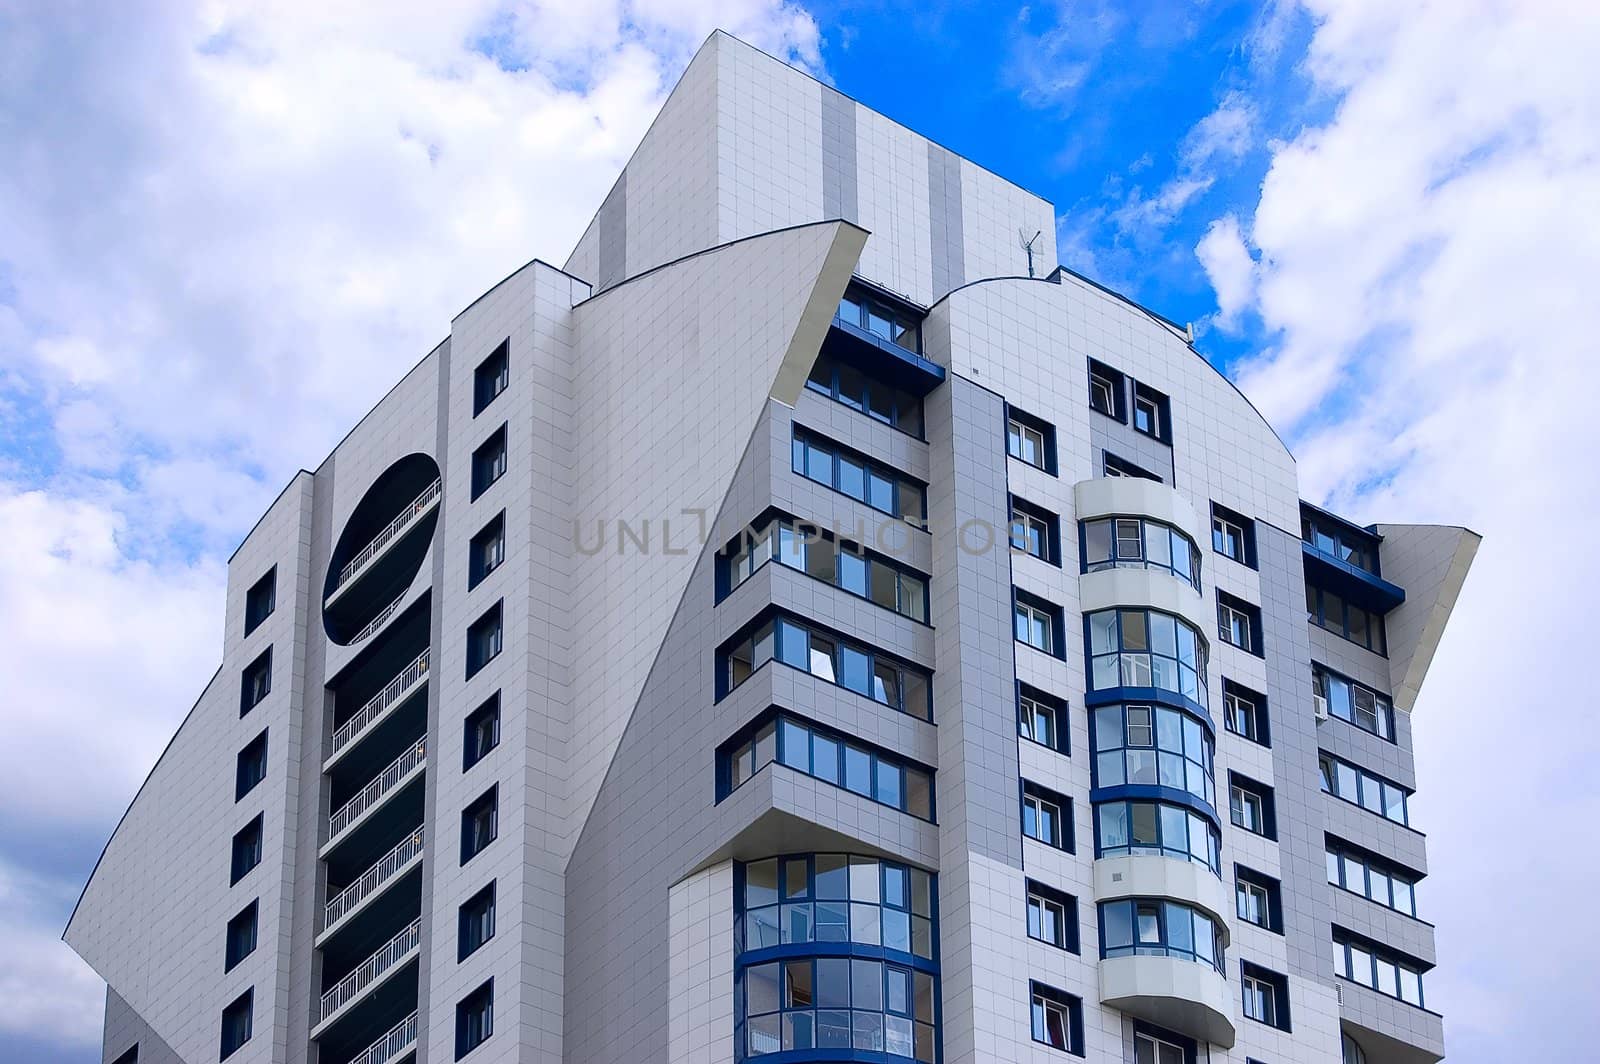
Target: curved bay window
[(1140, 543), (1153, 745), (834, 953), (1146, 648), (1153, 927), (1127, 828)]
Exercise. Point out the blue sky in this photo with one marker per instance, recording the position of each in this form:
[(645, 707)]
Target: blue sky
[(1378, 216)]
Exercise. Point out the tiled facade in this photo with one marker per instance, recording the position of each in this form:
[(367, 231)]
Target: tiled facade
[(655, 391)]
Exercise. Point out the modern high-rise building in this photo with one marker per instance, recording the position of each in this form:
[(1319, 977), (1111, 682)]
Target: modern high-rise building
[(807, 626)]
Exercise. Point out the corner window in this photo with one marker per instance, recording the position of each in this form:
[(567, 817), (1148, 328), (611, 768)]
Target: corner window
[(810, 550), (829, 756), (489, 462), (474, 1019), (241, 938), (1038, 623), (486, 550), (835, 898), (1391, 886), (1339, 539), (1153, 746), (480, 823), (237, 1023), (1152, 413), (1035, 531), (1250, 806), (850, 473), (1258, 898), (1377, 968), (260, 600), (1042, 718), (1046, 816), (1346, 620), (252, 766), (897, 325), (1351, 702), (1239, 623), (491, 377), (1057, 1019), (1108, 390), (1126, 828), (864, 670), (1155, 927), (1138, 543), (255, 683), (1052, 917), (1031, 440), (475, 922), (1359, 787), (1244, 713), (860, 390), (481, 732), (1120, 467), (1266, 996), (246, 850), (1233, 535), (485, 639)]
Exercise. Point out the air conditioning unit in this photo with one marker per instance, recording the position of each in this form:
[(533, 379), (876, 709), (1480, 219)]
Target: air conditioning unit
[(1319, 706), (1338, 993)]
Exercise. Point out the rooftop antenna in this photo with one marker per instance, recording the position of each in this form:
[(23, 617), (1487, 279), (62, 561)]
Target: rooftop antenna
[(1027, 245)]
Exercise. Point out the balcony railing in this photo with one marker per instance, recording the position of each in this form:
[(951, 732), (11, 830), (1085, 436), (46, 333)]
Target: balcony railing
[(391, 695), (400, 1038), (372, 969), (372, 880), (419, 506), (374, 792), (379, 621)]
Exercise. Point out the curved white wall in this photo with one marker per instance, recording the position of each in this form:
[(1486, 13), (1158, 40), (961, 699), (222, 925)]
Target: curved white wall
[(1153, 876), (1146, 587), (1126, 496), (1182, 995)]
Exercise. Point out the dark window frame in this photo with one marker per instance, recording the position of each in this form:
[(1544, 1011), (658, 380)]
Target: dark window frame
[(1114, 465), (485, 808), (475, 1019), (1066, 830), (490, 460), (1117, 383), (1047, 439), (1056, 616), (251, 766), (241, 936), (240, 1012), (900, 485), (1251, 613), (491, 377), (490, 627), (1327, 769), (1061, 724), (1273, 890), (1069, 922), (1022, 512), (1071, 1003), (1319, 612), (1162, 405), (1247, 535), (255, 682), (255, 611), (895, 403), (478, 560), (243, 861), (472, 749), (1279, 985), (1268, 828), (476, 927), (1261, 718)]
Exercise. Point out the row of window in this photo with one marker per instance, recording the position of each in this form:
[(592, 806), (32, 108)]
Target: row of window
[(839, 898), (1153, 745), (838, 1003), (1372, 879), (844, 383), (1335, 538), (882, 319), (818, 554), (1353, 702), (1361, 962), (1108, 395), (1373, 793), (861, 669), (1146, 648), (1150, 927), (830, 757), (1333, 614), (1140, 543), (1125, 828), (849, 473)]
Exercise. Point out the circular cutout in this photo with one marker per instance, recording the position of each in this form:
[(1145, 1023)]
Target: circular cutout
[(381, 548)]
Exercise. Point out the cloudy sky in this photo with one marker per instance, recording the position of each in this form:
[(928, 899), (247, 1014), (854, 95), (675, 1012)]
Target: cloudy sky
[(227, 227)]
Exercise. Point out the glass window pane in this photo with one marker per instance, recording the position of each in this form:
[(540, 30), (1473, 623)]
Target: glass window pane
[(825, 758), (864, 882), (897, 930), (890, 788), (853, 572), (865, 924), (1113, 819), (1116, 923), (855, 670), (833, 982), (761, 988), (760, 883), (919, 794), (833, 1028), (795, 744), (1097, 542), (1103, 632), (858, 772), (797, 987), (852, 478), (833, 877)]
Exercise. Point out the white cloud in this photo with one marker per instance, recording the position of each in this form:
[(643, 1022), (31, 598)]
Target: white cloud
[(1226, 259), (1424, 259), (45, 990)]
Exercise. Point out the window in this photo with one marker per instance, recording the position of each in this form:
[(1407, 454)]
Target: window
[(1239, 623), (1146, 648), (877, 316), (1052, 916), (859, 390), (1108, 390), (260, 600), (1035, 531), (1136, 543), (1148, 1049), (256, 682), (484, 640), (482, 732), (818, 554), (824, 754), (1339, 539), (480, 823), (475, 922), (1266, 996), (252, 767), (246, 850), (1377, 968), (1155, 927), (491, 377), (1351, 1052), (1333, 614), (862, 669), (1038, 624), (1233, 535), (837, 1004), (1042, 719), (1360, 873), (486, 550), (236, 1023), (1352, 702), (489, 462), (474, 1019), (1031, 440), (130, 1057), (1152, 413), (1259, 898), (1047, 816), (1121, 467), (1250, 806), (241, 940), (1135, 827), (1057, 1018), (1359, 787), (838, 898), (852, 474), (1153, 745), (1244, 712)]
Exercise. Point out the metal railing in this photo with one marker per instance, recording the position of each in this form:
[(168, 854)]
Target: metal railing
[(372, 879), (378, 704), (401, 1037), (381, 784), (418, 506), (378, 622), (369, 970)]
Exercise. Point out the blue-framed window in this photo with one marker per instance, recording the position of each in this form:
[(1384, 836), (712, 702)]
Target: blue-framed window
[(1117, 466), (491, 377), (1139, 543), (1233, 535), (1056, 1018), (826, 755), (819, 554), (251, 767), (1264, 995), (1035, 531), (859, 668), (1353, 869), (1239, 624), (1244, 713), (1042, 718), (1031, 439), (475, 922), (489, 462), (1377, 967), (1352, 702), (1157, 927), (1146, 648), (1153, 1045), (474, 1019), (1153, 745), (849, 384), (1333, 614), (1360, 787), (835, 952), (881, 318), (1108, 391), (1052, 916), (1039, 623), (255, 683), (1258, 898), (1125, 828), (1047, 816), (1339, 539), (238, 1023), (851, 473), (1152, 413), (1251, 806)]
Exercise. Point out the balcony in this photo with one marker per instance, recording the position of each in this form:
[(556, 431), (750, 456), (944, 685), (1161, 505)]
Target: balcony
[(377, 707), (385, 871), (391, 533), (396, 775), (377, 622), (1181, 995), (369, 974), (399, 1040)]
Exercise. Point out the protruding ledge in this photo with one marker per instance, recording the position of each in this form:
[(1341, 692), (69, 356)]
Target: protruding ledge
[(1145, 587), (1137, 497), (1180, 995), (1153, 876)]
